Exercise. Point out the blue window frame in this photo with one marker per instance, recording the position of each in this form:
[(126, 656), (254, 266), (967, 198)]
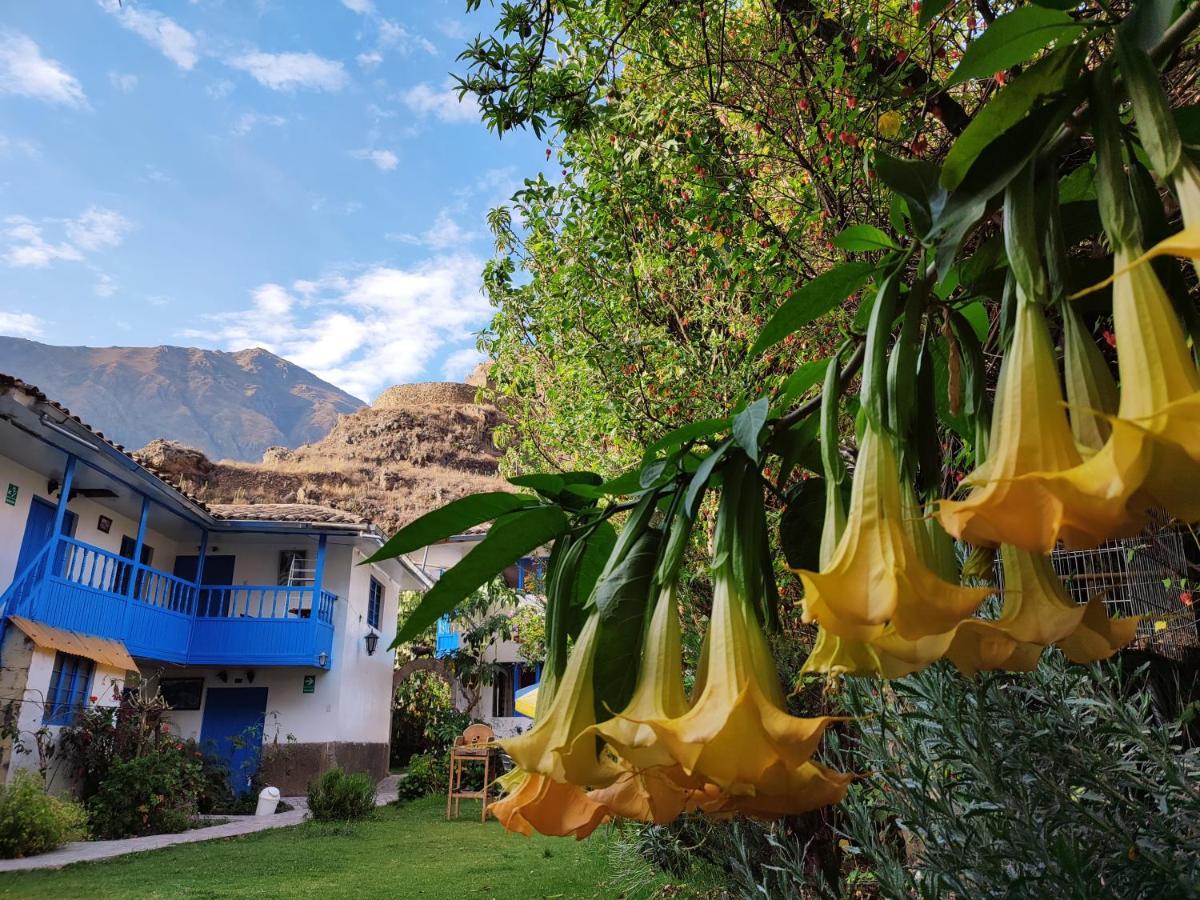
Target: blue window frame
[(374, 603), (70, 683)]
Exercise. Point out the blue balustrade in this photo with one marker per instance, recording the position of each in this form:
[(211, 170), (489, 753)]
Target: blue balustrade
[(159, 616), (448, 639)]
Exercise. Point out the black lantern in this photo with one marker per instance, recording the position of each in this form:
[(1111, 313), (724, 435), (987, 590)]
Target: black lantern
[(372, 642)]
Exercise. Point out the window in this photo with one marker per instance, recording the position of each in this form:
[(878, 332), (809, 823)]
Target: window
[(374, 603), (293, 568), (69, 685)]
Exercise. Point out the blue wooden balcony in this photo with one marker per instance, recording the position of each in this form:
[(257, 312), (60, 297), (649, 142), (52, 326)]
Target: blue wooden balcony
[(158, 616)]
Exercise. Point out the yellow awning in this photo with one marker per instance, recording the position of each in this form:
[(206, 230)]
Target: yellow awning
[(102, 650), (527, 702)]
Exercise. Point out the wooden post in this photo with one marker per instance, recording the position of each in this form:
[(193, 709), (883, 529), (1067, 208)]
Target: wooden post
[(131, 587), (64, 497)]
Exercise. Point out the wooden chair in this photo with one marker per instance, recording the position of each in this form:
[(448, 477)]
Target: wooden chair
[(473, 746)]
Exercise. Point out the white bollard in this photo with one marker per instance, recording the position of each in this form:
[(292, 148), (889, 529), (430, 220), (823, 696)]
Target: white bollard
[(268, 799)]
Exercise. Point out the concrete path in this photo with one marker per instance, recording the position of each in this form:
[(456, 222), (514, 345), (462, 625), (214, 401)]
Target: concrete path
[(90, 851)]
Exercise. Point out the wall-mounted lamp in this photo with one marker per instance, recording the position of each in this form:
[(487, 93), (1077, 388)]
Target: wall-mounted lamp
[(372, 640), (322, 659)]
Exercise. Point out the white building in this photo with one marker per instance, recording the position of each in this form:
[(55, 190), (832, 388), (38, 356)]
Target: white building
[(251, 619)]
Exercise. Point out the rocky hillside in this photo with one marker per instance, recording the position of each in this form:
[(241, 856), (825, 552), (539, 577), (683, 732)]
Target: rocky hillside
[(419, 446), (230, 405)]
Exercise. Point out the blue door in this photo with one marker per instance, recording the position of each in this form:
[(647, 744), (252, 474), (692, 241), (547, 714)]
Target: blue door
[(217, 570), (232, 730), (39, 528)]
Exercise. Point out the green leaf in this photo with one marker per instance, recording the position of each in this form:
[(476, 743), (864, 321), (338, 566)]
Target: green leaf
[(1012, 39), (453, 518), (1151, 110), (1005, 109), (690, 432), (507, 541), (801, 523), (801, 380), (695, 491), (748, 426), (811, 301), (597, 549), (931, 10), (863, 238), (1187, 120), (622, 598), (543, 482), (918, 182)]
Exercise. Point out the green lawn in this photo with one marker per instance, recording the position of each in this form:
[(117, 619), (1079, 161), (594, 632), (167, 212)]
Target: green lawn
[(406, 851)]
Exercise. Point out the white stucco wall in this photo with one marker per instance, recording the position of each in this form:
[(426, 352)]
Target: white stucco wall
[(31, 484), (352, 701), (106, 686)]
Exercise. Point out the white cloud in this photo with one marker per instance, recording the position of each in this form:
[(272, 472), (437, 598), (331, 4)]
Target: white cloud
[(445, 232), (247, 122), (443, 104), (454, 29), (363, 7), (20, 324), (369, 60), (123, 81), (94, 229), (393, 34), (98, 227), (367, 332), (26, 73), (461, 363), (385, 160), (288, 71), (171, 39), (105, 285), (28, 249), (219, 89), (18, 146)]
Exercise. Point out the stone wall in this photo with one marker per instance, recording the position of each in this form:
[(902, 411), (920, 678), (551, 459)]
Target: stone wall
[(290, 767)]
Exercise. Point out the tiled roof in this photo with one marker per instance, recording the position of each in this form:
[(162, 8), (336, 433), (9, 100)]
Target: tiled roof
[(14, 383), (284, 512), (259, 512)]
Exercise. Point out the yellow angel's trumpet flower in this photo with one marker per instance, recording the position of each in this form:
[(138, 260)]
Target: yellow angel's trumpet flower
[(659, 693), (553, 746), (737, 735), (657, 795), (1159, 413), (807, 787), (876, 576), (1098, 636), (1092, 396), (1184, 243), (537, 803), (1017, 495)]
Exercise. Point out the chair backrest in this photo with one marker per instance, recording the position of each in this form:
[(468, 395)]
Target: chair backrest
[(476, 734)]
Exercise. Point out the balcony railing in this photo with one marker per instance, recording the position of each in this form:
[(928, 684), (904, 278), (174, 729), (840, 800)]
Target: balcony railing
[(159, 616)]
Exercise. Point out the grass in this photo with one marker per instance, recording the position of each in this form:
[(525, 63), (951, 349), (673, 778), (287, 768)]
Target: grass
[(403, 851)]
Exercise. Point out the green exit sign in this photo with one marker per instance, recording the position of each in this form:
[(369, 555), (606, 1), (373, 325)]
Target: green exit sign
[(310, 683), (10, 495)]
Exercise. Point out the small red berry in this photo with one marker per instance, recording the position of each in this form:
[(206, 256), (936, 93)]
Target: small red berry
[(901, 56), (1186, 598), (1110, 338)]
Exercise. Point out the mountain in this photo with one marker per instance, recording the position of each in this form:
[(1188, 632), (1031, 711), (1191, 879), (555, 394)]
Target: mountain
[(229, 405), (418, 447)]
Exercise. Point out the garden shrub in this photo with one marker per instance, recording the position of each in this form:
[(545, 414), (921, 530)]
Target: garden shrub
[(152, 794), (428, 773), (32, 821), (340, 796)]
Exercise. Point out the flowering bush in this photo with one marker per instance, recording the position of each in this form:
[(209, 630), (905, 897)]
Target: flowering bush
[(152, 794), (32, 821)]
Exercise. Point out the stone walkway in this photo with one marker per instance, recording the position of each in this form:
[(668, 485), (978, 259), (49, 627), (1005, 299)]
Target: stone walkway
[(90, 851)]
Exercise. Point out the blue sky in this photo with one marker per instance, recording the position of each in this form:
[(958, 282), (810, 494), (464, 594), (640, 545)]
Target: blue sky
[(292, 174)]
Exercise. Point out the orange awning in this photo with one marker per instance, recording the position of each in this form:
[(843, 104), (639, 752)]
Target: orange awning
[(102, 650)]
